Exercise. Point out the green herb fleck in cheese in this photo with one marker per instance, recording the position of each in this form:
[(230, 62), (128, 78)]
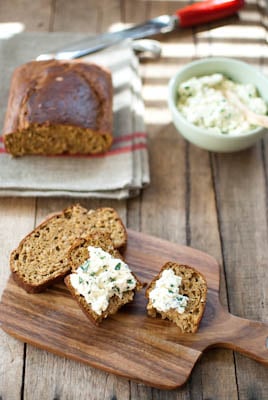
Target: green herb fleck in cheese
[(101, 277), (165, 295), (202, 102)]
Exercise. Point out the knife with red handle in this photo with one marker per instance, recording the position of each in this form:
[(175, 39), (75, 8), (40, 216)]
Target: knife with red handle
[(189, 16)]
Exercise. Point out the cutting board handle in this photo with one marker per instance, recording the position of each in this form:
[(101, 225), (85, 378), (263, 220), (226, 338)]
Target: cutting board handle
[(245, 336)]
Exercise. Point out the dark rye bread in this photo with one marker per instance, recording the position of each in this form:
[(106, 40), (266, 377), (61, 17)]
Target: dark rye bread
[(77, 255), (41, 259), (78, 252), (57, 107), (193, 286)]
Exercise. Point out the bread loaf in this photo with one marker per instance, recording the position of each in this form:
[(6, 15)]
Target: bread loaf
[(41, 257), (100, 281), (178, 293), (57, 107)]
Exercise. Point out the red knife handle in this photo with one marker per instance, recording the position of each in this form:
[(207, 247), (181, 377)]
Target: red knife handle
[(207, 11)]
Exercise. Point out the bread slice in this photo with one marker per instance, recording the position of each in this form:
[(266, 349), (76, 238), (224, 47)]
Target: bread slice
[(41, 259), (79, 254), (188, 303)]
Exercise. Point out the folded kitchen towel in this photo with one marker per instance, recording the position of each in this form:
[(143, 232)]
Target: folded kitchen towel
[(120, 173)]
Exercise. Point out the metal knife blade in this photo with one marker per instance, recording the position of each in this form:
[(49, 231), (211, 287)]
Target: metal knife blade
[(161, 24)]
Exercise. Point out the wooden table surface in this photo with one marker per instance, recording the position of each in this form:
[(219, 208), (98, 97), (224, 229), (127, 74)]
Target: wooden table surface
[(214, 202)]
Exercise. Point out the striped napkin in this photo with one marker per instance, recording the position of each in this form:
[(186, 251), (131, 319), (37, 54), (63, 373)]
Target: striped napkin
[(120, 173)]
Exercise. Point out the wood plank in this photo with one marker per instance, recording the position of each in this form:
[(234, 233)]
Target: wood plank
[(244, 231), (216, 365), (135, 12), (16, 219), (134, 212), (163, 204), (17, 216), (110, 14), (33, 15), (85, 16), (175, 54), (242, 208)]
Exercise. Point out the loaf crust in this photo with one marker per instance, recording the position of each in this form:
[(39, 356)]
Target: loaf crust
[(193, 286), (41, 259), (77, 255), (57, 107)]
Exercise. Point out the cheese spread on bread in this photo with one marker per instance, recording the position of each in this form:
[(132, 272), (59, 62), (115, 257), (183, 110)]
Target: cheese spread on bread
[(101, 277), (202, 102), (165, 295)]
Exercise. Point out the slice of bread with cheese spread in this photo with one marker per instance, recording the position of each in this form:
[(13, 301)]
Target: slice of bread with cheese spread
[(101, 282), (41, 259), (178, 293)]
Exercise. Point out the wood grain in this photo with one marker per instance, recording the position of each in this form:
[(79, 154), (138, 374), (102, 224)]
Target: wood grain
[(243, 225), (235, 235), (204, 234), (130, 344), (33, 15), (11, 365)]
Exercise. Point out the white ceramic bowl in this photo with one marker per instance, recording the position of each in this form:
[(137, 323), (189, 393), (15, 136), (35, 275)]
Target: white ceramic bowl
[(238, 71)]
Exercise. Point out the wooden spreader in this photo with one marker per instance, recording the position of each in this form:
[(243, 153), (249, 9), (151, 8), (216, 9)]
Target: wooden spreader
[(131, 344)]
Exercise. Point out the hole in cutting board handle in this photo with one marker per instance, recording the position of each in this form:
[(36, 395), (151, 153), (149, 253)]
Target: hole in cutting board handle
[(267, 343)]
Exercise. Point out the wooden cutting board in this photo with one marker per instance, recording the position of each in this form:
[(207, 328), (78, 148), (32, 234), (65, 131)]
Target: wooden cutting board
[(130, 344)]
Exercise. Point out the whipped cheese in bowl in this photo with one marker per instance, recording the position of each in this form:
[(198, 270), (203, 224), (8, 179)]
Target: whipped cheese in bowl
[(202, 113), (202, 101)]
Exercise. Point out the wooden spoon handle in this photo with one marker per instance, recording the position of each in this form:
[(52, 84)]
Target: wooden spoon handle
[(253, 118), (247, 337)]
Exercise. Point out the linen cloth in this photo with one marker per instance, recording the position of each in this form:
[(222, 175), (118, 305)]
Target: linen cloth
[(120, 173)]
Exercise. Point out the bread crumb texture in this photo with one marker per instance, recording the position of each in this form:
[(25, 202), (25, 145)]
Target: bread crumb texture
[(78, 255), (194, 286), (41, 258)]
